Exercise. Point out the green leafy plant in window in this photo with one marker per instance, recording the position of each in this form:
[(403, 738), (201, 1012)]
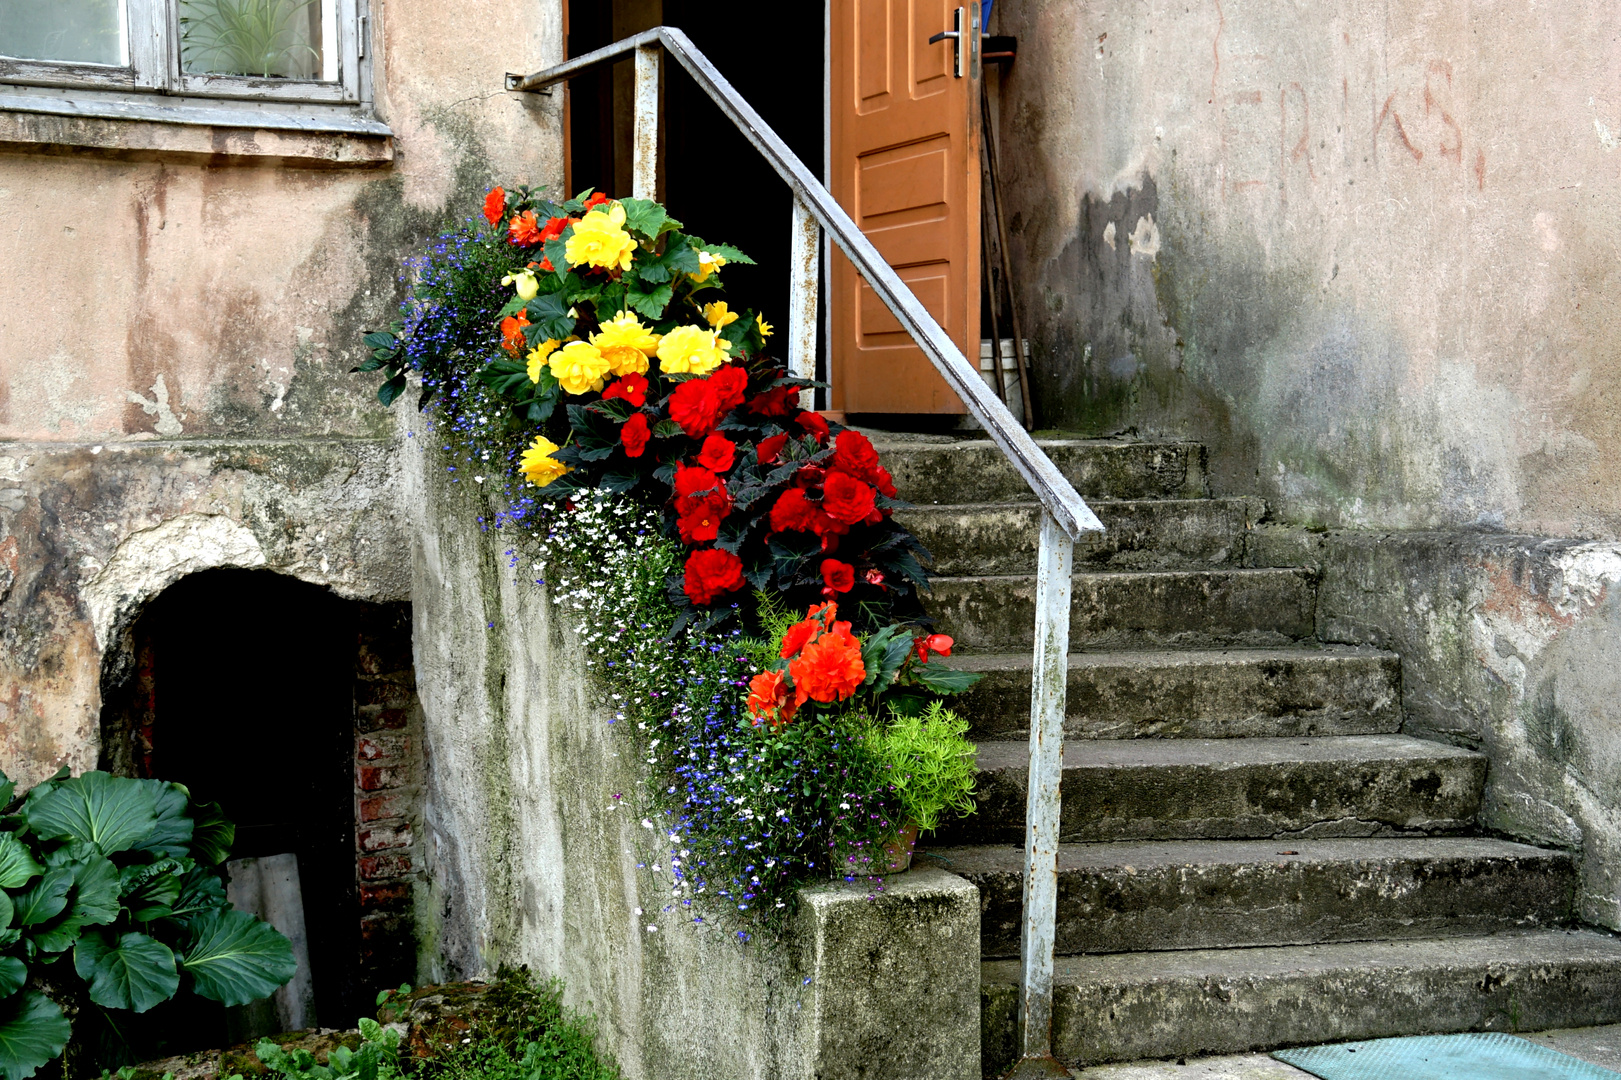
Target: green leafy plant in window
[(267, 38), (116, 882)]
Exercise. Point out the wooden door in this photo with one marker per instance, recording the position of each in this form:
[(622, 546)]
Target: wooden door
[(904, 162)]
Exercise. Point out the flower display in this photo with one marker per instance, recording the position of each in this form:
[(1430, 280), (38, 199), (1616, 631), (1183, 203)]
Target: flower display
[(678, 503)]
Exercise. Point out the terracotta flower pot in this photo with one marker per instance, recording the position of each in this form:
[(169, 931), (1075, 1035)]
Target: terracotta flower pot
[(898, 851)]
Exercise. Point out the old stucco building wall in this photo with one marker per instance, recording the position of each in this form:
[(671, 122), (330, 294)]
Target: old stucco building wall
[(1367, 252), (178, 318)]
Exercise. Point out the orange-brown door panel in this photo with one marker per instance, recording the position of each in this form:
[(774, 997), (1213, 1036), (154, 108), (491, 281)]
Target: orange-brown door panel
[(904, 145)]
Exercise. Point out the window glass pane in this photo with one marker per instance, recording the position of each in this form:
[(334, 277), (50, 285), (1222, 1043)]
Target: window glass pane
[(286, 39), (87, 31)]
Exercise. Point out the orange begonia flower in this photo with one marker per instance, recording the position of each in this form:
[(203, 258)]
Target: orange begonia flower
[(830, 668)]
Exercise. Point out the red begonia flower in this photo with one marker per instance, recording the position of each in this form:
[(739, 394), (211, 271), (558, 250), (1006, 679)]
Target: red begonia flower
[(837, 577), (717, 453), (777, 401), (631, 388), (846, 499), (766, 453), (711, 572), (813, 423), (634, 435)]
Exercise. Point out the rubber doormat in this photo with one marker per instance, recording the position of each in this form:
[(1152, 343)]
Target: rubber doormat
[(1489, 1056)]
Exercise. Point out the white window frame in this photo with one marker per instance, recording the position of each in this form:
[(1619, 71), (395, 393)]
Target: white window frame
[(154, 65)]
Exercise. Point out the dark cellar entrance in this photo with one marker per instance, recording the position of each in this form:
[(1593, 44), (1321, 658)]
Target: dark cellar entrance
[(292, 708)]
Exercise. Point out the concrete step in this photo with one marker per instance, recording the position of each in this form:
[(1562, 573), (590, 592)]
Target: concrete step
[(1207, 694), (940, 469), (1147, 534), (1128, 1006), (1210, 894), (1137, 609), (1216, 789)]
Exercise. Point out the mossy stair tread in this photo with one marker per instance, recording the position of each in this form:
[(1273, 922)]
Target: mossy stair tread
[(1192, 894), (1132, 1006)]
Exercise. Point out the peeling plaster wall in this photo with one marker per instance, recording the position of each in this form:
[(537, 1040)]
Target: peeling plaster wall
[(176, 336), (1364, 249)]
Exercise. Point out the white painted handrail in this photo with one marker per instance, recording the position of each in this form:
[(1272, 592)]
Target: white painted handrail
[(1065, 515)]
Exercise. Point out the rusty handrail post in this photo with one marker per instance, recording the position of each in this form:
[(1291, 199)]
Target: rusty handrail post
[(803, 300), (644, 182)]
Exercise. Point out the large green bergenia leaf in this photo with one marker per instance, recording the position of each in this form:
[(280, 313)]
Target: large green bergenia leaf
[(93, 902), (112, 812), (13, 973), (234, 958), (7, 788), (130, 971), (171, 833), (32, 1032), (46, 899), (17, 865)]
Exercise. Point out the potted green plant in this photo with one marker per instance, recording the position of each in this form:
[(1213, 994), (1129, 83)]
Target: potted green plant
[(931, 766)]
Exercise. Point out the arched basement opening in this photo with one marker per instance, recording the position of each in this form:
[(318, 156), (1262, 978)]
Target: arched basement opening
[(295, 710)]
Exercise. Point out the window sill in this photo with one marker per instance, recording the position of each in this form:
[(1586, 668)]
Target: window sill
[(206, 133)]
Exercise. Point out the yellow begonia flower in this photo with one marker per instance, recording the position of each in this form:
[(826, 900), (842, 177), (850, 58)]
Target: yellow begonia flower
[(692, 350), (537, 357), (765, 327), (580, 367), (718, 316), (537, 464), (626, 343), (707, 264), (600, 240), (528, 285)]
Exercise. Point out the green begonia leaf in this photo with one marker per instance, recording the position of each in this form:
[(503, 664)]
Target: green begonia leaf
[(171, 833), (46, 899), (32, 1032), (132, 971), (13, 973), (7, 788), (17, 865), (112, 812), (212, 834), (234, 958)]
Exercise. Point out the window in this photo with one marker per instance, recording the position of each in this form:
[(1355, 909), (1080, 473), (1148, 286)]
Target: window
[(295, 51)]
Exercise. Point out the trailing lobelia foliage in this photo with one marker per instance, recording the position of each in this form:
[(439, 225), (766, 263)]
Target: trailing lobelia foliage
[(115, 881)]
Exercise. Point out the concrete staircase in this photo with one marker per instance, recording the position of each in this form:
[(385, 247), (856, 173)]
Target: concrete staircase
[(1254, 855)]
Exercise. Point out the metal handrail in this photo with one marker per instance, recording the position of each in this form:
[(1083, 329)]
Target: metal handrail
[(1065, 515)]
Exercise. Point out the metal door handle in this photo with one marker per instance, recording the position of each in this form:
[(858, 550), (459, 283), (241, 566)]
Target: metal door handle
[(955, 34)]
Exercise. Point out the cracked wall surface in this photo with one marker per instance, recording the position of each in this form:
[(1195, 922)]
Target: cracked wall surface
[(176, 338)]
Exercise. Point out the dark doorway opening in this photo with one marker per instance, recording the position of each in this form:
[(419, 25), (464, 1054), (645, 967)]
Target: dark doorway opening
[(709, 176), (296, 711), (253, 676)]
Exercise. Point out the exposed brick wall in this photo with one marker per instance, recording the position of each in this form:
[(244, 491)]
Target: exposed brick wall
[(388, 858)]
